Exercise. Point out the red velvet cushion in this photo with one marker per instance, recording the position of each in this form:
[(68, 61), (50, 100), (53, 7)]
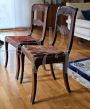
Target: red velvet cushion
[(19, 39)]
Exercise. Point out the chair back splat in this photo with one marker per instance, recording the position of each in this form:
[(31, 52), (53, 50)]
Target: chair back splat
[(39, 22), (63, 29)]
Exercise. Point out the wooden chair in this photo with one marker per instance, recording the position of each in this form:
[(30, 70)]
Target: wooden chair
[(18, 41), (40, 55)]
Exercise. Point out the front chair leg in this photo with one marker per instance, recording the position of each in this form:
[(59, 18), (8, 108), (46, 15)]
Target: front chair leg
[(18, 65), (34, 83), (65, 75), (51, 66), (6, 51), (22, 67)]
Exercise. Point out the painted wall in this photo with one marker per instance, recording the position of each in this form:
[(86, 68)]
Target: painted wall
[(7, 14), (23, 12), (15, 13)]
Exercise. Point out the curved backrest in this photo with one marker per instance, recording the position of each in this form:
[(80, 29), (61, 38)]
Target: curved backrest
[(39, 22), (64, 30)]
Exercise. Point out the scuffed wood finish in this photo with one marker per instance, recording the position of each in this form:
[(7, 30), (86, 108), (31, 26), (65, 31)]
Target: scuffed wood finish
[(41, 55)]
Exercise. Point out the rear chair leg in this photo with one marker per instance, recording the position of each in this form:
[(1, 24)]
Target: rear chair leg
[(44, 67), (22, 67), (51, 66), (18, 65), (6, 51)]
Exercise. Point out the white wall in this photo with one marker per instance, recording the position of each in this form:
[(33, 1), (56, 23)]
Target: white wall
[(6, 14), (15, 13), (23, 12)]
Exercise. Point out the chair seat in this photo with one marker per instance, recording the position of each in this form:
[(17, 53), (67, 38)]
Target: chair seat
[(16, 40), (38, 53)]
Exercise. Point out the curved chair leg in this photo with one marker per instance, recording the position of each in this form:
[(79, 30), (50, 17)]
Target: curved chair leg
[(51, 66), (44, 67), (18, 65), (22, 67), (65, 75), (6, 51), (34, 84)]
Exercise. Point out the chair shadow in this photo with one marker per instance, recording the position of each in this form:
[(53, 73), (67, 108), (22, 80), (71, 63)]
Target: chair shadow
[(49, 78), (51, 98), (71, 95)]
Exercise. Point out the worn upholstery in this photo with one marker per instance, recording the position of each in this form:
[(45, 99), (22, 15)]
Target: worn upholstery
[(16, 40), (37, 53)]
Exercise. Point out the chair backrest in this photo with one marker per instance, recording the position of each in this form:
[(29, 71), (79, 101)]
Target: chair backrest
[(39, 22), (64, 30)]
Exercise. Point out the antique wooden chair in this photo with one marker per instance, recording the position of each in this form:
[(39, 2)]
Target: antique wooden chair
[(18, 41), (39, 55)]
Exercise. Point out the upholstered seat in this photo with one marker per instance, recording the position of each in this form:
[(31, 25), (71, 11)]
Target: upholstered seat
[(17, 40), (37, 53)]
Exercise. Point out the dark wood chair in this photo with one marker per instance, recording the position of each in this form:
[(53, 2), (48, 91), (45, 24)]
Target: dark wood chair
[(41, 55), (18, 41)]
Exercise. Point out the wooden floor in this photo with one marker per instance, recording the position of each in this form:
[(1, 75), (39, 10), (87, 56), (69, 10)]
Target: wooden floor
[(50, 94)]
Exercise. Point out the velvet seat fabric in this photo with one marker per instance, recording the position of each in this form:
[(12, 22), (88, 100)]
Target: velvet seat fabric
[(17, 40)]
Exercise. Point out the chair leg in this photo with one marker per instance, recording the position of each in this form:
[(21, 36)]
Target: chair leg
[(18, 65), (51, 66), (22, 67), (65, 75), (34, 84), (6, 51), (44, 67)]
